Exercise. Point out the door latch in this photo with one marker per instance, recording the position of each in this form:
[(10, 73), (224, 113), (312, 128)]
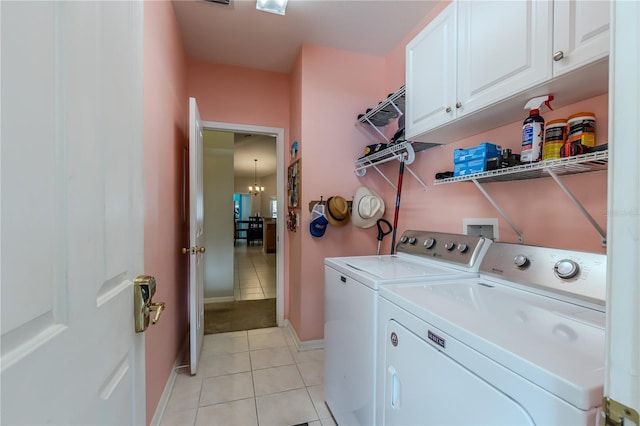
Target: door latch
[(614, 413), (144, 287)]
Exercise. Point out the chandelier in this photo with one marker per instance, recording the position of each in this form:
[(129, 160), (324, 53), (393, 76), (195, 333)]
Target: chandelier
[(255, 189)]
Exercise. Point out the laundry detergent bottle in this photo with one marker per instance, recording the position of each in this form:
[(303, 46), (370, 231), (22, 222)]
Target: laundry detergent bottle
[(533, 130)]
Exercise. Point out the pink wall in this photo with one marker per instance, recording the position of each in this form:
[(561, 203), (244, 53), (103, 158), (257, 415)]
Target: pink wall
[(335, 87), (165, 136), (293, 240), (230, 94), (317, 104), (238, 95)]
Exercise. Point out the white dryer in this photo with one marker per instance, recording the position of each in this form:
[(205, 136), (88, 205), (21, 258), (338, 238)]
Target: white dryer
[(522, 344), (351, 311)]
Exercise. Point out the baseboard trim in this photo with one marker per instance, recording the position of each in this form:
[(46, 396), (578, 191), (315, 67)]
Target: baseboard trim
[(300, 345), (168, 387), (219, 299)]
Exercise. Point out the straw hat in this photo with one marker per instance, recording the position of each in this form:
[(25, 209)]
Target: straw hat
[(337, 211)]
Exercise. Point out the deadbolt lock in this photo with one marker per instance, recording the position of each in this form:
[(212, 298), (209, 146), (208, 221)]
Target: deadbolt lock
[(144, 287)]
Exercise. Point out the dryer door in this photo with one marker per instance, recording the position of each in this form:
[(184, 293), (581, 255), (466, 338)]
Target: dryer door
[(423, 385)]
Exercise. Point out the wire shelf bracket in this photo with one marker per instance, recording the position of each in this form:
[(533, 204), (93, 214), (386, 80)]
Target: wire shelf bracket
[(585, 163)]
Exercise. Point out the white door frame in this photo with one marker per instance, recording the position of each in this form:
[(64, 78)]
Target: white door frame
[(622, 359), (278, 133)]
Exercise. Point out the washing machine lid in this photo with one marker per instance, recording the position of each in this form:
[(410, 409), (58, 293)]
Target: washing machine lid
[(374, 271), (557, 345)]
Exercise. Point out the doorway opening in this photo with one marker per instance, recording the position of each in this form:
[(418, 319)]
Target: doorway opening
[(268, 204)]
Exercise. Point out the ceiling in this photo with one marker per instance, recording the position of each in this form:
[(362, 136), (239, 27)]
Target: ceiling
[(249, 147), (238, 34)]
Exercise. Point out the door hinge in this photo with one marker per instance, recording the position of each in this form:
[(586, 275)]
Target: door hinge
[(614, 413)]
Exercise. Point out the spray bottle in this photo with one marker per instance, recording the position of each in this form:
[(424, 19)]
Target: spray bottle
[(533, 130)]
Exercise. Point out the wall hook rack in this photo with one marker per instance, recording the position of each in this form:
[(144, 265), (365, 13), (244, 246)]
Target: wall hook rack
[(324, 203)]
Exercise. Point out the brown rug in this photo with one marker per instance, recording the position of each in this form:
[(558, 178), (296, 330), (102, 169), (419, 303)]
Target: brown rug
[(239, 315)]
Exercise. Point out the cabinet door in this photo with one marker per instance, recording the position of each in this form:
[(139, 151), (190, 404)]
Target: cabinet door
[(431, 75), (580, 34), (503, 49)]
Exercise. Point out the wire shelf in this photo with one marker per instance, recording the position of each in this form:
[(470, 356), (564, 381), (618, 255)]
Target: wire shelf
[(396, 100), (585, 163)]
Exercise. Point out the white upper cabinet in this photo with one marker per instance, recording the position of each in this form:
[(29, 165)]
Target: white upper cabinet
[(431, 75), (580, 33), (502, 49), (476, 64)]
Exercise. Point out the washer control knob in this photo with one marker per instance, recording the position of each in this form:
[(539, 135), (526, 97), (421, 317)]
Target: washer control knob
[(404, 239), (450, 245), (429, 243), (462, 247), (521, 261), (566, 268), (413, 241)]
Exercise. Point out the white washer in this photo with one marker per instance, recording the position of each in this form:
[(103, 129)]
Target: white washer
[(522, 344), (351, 310)]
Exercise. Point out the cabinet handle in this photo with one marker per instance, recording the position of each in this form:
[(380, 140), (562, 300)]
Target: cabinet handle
[(558, 55), (458, 104), (448, 109)]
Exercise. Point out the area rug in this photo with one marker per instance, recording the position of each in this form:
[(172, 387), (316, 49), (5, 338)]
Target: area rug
[(239, 315)]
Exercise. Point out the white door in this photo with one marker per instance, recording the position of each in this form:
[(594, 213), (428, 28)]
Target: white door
[(411, 362), (622, 382), (72, 219), (196, 236)]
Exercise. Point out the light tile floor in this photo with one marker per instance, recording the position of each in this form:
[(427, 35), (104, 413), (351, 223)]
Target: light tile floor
[(254, 272), (254, 377)]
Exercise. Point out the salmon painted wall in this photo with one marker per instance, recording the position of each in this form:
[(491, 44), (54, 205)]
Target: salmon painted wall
[(165, 137), (239, 95), (335, 87), (293, 240)]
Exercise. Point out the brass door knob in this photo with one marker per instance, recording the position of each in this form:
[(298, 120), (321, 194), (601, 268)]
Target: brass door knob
[(202, 249), (185, 250)]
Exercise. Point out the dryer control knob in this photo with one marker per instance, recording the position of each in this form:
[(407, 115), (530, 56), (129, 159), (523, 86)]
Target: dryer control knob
[(521, 261), (429, 243), (413, 240), (566, 268), (404, 239), (462, 247), (450, 245)]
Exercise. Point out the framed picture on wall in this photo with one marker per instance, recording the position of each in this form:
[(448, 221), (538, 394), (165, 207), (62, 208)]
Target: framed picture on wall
[(293, 184)]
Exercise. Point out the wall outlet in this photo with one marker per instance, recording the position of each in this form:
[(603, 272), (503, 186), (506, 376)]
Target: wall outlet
[(483, 227)]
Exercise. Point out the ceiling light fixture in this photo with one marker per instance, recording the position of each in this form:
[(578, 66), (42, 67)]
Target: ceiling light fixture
[(272, 6), (255, 189)]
